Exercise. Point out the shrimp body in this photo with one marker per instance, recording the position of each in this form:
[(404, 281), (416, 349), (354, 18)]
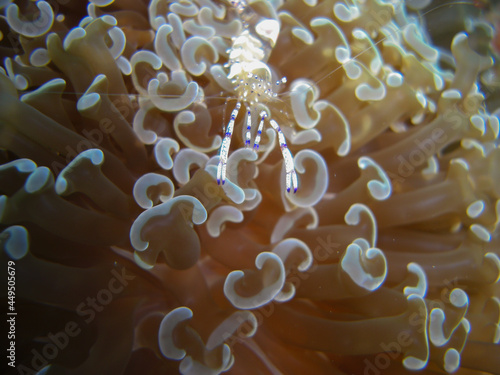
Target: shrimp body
[(252, 82)]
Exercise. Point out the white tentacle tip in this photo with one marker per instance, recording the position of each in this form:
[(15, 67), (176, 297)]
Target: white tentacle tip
[(166, 332), (270, 280)]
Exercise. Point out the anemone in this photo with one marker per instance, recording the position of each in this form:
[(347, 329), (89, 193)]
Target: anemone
[(129, 256)]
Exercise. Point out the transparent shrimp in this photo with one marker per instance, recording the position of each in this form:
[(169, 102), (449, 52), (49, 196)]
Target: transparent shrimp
[(251, 79)]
